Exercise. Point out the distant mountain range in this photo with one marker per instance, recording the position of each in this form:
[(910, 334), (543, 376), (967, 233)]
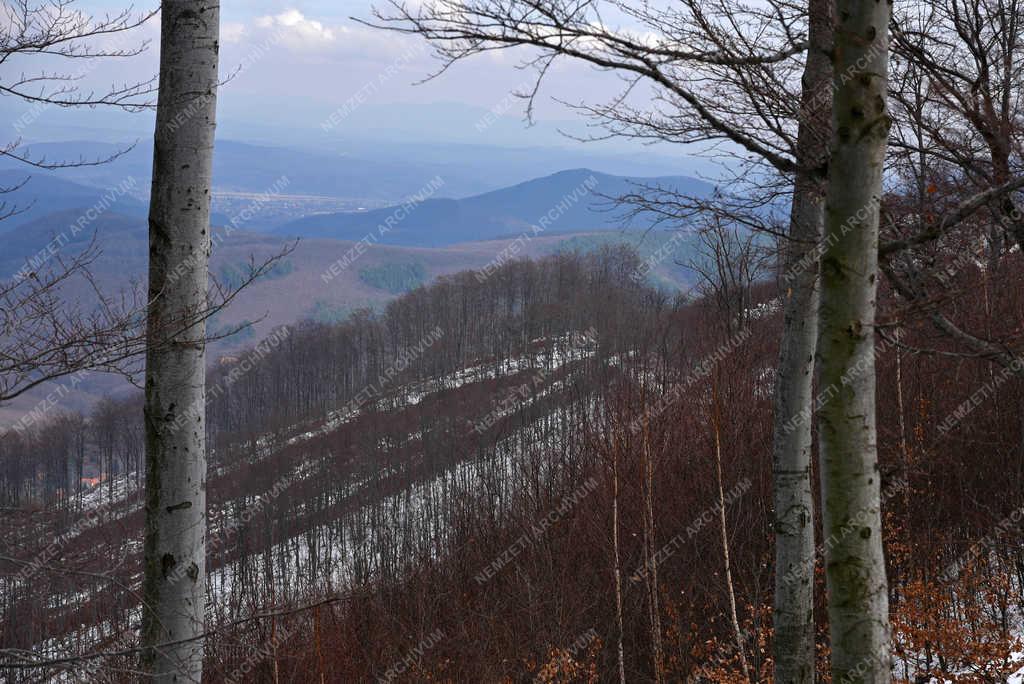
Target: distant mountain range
[(329, 275), (288, 192), (431, 238), (375, 173), (565, 202), (33, 195), (248, 168), (37, 195)]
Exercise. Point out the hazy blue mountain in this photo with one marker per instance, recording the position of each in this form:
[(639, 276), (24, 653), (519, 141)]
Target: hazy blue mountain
[(241, 167), (43, 199), (39, 194), (377, 171), (437, 221), (123, 239)]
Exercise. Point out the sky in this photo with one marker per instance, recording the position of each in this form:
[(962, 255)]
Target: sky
[(304, 70)]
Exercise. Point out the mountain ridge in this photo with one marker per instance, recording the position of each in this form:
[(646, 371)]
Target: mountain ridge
[(573, 200)]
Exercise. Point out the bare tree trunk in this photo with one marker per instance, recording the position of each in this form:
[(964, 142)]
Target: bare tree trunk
[(319, 646), (618, 565), (791, 449), (733, 615), (654, 606), (179, 219), (273, 646), (855, 565)]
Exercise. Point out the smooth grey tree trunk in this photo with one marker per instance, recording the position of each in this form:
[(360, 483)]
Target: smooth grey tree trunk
[(793, 611), (858, 601), (179, 218)]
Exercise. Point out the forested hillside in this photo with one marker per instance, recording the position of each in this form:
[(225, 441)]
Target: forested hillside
[(469, 464)]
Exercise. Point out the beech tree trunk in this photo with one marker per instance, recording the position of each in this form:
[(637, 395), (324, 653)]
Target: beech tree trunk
[(791, 449), (858, 600), (179, 219)]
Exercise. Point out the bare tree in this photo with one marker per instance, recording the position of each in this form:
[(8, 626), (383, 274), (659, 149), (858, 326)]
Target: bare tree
[(60, 30), (957, 150), (43, 336), (961, 72), (174, 594), (731, 77), (793, 607), (858, 598), (729, 260), (716, 424)]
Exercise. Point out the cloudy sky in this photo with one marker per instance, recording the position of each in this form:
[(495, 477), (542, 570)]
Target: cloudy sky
[(298, 62)]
